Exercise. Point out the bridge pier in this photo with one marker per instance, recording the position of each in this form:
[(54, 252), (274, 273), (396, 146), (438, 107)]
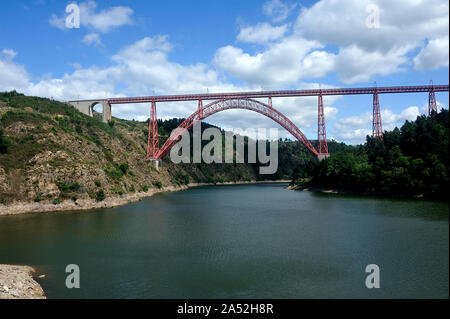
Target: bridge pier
[(156, 162), (321, 157)]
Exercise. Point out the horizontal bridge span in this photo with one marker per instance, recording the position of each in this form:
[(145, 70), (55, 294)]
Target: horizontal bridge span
[(285, 93)]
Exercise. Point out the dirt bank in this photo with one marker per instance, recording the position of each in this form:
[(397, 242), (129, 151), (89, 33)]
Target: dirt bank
[(16, 282)]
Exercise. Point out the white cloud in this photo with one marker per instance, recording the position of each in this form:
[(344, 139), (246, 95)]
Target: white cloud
[(402, 23), (92, 38), (357, 65), (104, 20), (354, 129), (76, 65), (391, 120), (144, 67), (261, 33), (57, 21), (433, 56), (9, 53), (277, 10), (138, 69), (360, 53), (440, 106), (12, 76), (282, 63), (101, 21), (366, 52)]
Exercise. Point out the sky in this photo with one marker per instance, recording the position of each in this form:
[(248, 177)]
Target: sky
[(141, 48)]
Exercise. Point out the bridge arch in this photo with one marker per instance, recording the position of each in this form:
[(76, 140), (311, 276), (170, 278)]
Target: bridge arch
[(95, 105), (247, 104)]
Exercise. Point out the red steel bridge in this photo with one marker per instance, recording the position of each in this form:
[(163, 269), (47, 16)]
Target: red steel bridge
[(247, 100)]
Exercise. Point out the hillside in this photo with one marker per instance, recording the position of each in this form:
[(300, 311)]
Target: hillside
[(50, 153), (411, 161)]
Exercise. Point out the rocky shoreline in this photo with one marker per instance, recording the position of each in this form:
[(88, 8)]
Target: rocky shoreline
[(87, 204), (340, 191), (16, 282), (315, 189)]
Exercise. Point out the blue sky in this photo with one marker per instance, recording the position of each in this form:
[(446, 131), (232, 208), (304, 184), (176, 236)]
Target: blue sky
[(168, 47)]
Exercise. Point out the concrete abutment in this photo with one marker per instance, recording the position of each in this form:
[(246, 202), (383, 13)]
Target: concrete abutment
[(86, 107)]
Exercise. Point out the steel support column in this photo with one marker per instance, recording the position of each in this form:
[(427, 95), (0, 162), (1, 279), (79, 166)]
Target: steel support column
[(200, 110), (153, 141), (377, 127), (432, 105), (321, 130)]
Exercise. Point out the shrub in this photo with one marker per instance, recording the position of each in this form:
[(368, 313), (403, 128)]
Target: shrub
[(124, 167), (144, 188), (114, 173), (157, 184), (56, 201), (74, 187), (38, 198), (97, 183), (100, 195)]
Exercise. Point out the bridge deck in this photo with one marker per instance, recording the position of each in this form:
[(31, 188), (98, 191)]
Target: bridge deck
[(285, 93)]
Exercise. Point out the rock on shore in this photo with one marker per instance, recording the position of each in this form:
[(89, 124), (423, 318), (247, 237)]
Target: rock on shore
[(16, 282)]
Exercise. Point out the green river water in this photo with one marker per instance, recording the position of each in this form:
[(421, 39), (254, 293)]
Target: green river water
[(241, 241)]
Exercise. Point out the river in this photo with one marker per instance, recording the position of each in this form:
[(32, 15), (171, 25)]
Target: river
[(241, 241)]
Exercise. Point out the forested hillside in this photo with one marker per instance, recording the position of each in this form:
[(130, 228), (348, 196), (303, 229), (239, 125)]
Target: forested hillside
[(410, 161)]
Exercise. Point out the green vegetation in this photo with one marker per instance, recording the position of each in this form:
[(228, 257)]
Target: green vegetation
[(63, 187), (157, 184), (4, 143), (410, 161), (117, 191), (124, 168), (100, 195)]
